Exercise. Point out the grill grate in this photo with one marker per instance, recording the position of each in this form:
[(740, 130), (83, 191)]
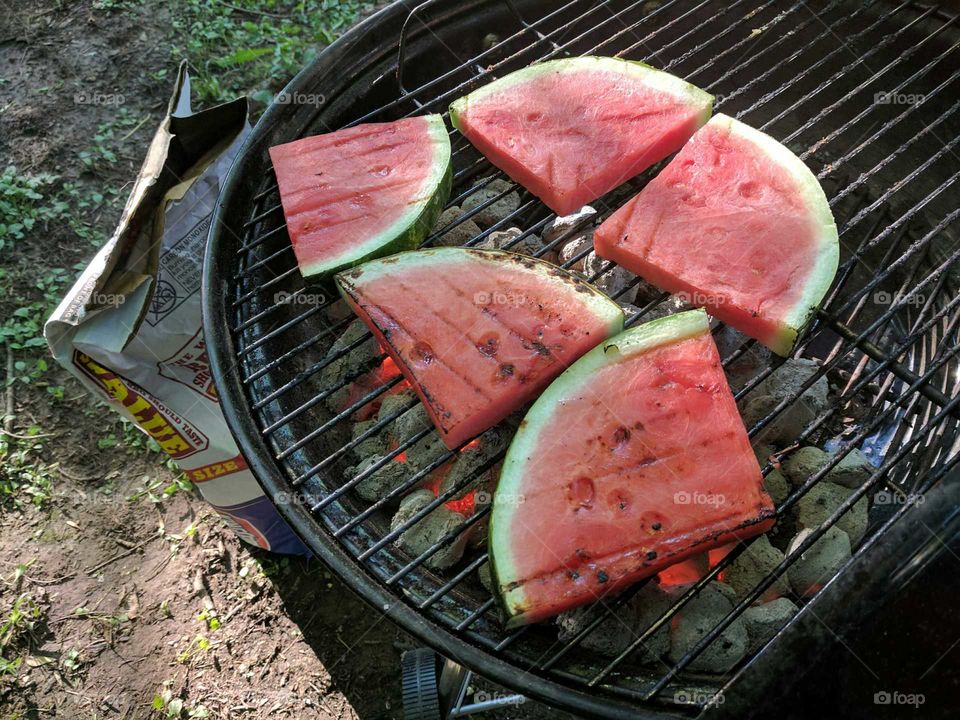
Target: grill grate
[(812, 76)]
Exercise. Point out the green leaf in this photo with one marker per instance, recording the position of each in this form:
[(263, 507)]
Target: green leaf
[(243, 56)]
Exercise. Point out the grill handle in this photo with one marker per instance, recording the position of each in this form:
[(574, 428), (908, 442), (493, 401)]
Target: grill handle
[(402, 46)]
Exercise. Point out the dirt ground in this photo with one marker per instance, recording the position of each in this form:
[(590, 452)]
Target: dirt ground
[(120, 600)]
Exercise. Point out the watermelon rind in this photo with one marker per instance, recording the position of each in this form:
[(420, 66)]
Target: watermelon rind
[(635, 341), (416, 222), (827, 238), (642, 72)]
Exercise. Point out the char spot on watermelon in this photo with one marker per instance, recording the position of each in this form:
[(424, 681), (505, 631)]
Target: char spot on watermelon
[(537, 347), (505, 371), (489, 345)]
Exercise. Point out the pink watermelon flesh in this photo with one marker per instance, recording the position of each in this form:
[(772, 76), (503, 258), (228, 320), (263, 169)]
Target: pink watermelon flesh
[(477, 333), (363, 191), (735, 223), (571, 130), (634, 459)]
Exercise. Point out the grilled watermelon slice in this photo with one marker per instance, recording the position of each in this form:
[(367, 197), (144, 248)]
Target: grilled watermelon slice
[(735, 223), (362, 192), (632, 460), (478, 333), (571, 130)]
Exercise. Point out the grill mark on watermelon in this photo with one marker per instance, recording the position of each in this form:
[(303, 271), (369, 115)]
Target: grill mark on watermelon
[(649, 462), (352, 154), (457, 328), (486, 311), (396, 329), (590, 563), (337, 200)]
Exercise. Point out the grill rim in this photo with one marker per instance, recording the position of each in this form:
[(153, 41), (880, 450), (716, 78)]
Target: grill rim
[(217, 308)]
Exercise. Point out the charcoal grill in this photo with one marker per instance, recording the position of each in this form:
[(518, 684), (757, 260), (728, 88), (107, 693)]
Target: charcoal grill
[(865, 93)]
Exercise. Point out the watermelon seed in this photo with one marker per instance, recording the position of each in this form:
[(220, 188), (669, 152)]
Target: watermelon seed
[(422, 354), (619, 498), (602, 576), (621, 436), (581, 491)]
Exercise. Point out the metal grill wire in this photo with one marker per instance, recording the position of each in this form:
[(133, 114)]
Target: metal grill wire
[(835, 61)]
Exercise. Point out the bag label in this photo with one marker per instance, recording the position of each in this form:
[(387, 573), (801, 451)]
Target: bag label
[(174, 434)]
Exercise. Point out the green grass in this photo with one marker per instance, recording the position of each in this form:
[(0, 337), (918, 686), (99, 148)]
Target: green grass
[(25, 479), (25, 203), (255, 47), (18, 624)]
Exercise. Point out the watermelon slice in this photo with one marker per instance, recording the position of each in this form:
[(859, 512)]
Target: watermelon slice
[(632, 460), (478, 333), (362, 192), (735, 223), (571, 130)]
